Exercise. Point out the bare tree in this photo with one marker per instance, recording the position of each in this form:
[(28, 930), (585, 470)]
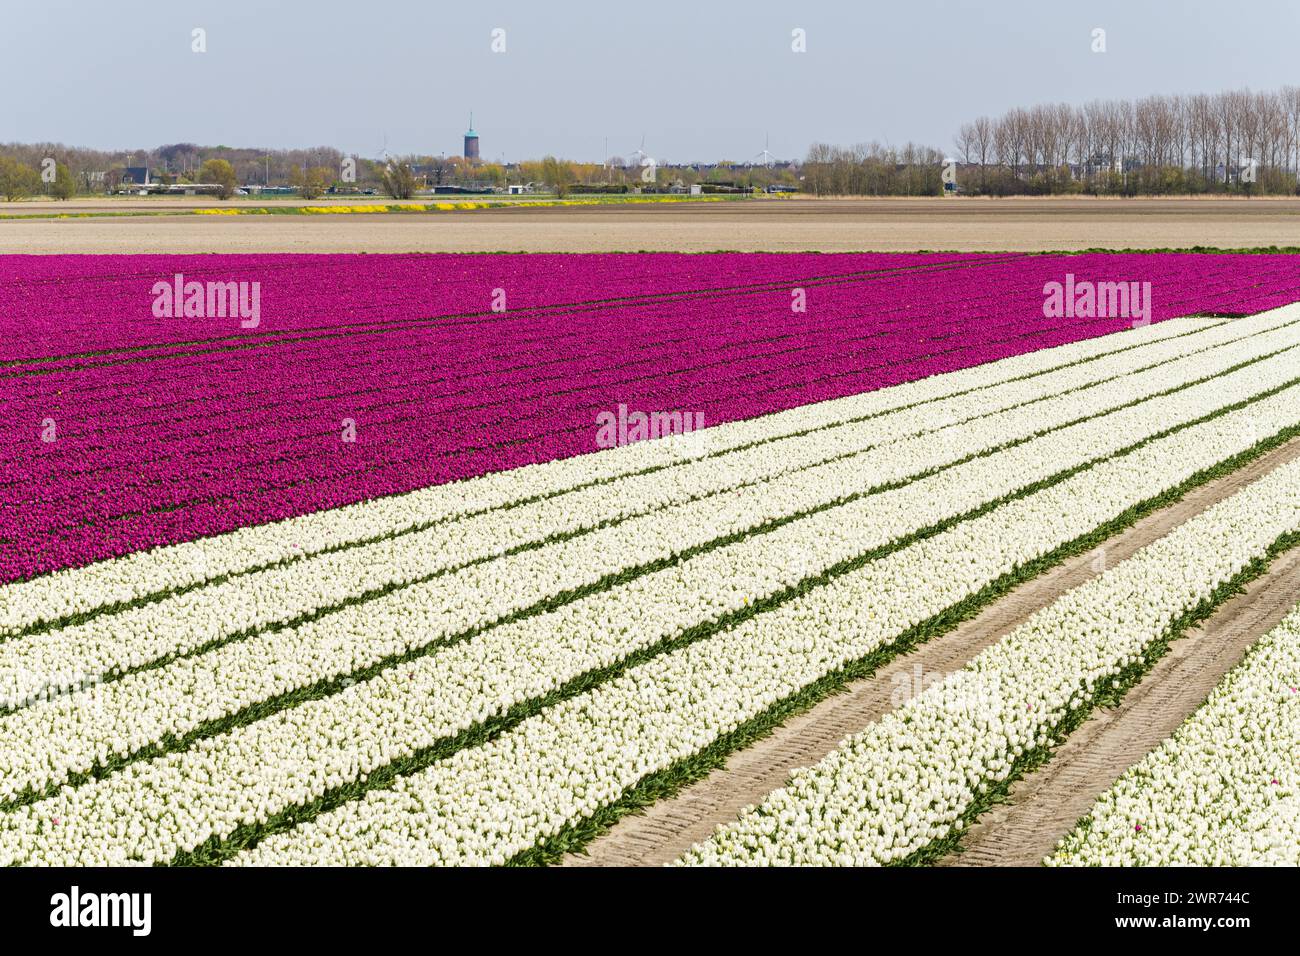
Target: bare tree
[(398, 179), (982, 129)]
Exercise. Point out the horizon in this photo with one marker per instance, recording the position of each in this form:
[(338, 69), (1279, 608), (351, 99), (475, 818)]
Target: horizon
[(699, 90)]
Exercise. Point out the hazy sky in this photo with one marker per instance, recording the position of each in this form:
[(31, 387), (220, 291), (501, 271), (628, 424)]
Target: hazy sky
[(701, 81)]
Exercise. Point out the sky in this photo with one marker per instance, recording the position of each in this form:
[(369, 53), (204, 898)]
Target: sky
[(700, 82)]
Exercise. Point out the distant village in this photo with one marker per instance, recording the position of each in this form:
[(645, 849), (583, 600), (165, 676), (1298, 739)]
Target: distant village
[(179, 169)]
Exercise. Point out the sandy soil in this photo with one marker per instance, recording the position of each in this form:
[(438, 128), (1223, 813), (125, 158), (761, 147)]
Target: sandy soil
[(830, 225), (669, 828)]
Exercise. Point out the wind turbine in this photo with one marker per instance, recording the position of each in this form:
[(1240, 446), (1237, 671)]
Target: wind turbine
[(640, 154), (383, 150), (765, 156)]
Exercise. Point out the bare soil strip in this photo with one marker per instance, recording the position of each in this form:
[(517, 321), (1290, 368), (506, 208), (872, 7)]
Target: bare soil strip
[(669, 828), (1044, 806), (754, 225)]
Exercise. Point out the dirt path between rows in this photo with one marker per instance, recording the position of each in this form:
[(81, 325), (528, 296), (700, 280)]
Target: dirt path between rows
[(669, 828), (1044, 806)]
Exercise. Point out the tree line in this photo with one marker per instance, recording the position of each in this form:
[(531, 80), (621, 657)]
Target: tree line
[(82, 170), (1230, 142), (1236, 141), (312, 172)]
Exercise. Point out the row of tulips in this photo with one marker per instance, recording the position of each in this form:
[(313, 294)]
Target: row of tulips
[(540, 785), (75, 294), (918, 775), (292, 463), (1224, 790), (393, 412), (934, 401), (440, 399), (652, 517)]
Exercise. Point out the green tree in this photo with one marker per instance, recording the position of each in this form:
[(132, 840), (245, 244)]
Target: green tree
[(311, 182), (220, 172), (558, 174), (64, 185), (17, 180), (492, 173)]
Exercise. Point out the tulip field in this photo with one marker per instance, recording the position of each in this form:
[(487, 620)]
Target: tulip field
[(362, 581)]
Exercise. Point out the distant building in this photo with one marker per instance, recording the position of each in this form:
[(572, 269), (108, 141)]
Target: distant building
[(471, 140), (136, 175)]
